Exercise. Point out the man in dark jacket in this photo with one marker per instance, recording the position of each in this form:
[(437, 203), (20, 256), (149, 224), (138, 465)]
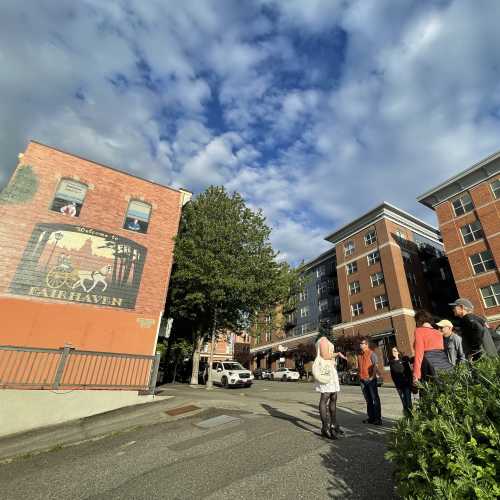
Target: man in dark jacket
[(473, 330)]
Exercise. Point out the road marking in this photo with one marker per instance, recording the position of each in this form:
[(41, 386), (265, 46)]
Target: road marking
[(120, 453)]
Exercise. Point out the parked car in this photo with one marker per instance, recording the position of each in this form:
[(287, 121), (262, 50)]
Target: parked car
[(351, 377), (231, 374), (261, 374), (285, 374)]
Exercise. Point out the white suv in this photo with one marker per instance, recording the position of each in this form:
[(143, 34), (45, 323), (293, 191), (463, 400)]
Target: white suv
[(230, 374), (285, 374)]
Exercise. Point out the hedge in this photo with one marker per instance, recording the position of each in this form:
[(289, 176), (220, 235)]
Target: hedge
[(449, 448)]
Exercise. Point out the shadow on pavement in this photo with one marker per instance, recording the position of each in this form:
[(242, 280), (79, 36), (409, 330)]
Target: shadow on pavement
[(355, 464)]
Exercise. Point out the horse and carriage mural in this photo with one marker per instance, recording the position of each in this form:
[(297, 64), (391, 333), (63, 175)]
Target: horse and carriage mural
[(80, 264)]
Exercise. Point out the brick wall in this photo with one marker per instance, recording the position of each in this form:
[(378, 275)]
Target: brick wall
[(36, 309)]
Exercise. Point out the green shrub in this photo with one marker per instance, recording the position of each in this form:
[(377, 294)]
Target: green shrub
[(450, 447)]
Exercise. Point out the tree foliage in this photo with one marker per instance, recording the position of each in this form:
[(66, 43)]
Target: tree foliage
[(225, 266), (450, 447)]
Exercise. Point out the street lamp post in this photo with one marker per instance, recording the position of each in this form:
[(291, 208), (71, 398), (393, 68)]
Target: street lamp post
[(57, 236)]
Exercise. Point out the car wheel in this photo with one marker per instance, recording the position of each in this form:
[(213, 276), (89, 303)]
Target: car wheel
[(272, 377), (284, 378), (225, 383)]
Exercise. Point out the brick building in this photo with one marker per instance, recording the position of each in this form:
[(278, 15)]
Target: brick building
[(389, 263), (86, 254), (383, 266), (468, 211)]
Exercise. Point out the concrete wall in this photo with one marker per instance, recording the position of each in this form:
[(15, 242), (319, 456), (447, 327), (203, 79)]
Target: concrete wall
[(22, 410)]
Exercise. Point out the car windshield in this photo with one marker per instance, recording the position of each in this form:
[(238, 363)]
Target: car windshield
[(233, 366)]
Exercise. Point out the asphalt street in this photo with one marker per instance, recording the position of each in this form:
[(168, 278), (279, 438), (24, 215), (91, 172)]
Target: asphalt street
[(260, 442)]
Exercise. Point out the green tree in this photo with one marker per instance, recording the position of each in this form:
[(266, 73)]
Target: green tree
[(179, 350), (225, 267)]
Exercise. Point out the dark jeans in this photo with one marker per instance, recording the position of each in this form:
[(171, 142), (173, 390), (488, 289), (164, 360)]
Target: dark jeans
[(370, 392), (405, 395)]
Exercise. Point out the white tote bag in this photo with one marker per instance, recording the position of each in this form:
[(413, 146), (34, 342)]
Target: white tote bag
[(322, 369)]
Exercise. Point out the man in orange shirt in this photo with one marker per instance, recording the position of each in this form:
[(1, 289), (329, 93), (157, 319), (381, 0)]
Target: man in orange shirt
[(367, 365)]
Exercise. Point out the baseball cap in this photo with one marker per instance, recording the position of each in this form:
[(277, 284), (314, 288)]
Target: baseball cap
[(463, 302), (444, 322)]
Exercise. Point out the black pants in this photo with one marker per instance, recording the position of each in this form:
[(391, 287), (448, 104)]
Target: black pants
[(405, 395), (370, 392)]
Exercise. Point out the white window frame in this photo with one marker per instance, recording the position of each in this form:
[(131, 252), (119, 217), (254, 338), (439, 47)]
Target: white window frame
[(352, 267), (495, 188), (303, 295), (357, 309), (304, 328), (491, 292), (381, 301), (320, 271), (400, 234), (354, 287), (411, 277), (304, 312), (377, 279), (349, 248), (373, 257), (483, 262), (476, 234), (461, 207), (370, 238)]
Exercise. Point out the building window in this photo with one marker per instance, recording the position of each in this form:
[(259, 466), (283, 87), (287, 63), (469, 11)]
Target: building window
[(400, 235), (304, 312), (416, 301), (320, 271), (323, 287), (406, 257), (303, 295), (495, 187), (482, 262), (491, 295), (411, 278), (370, 238), (377, 279), (463, 204), (354, 287), (268, 336), (323, 305), (137, 218), (352, 267), (471, 232), (373, 257), (349, 248), (381, 301), (357, 309), (69, 197), (304, 328)]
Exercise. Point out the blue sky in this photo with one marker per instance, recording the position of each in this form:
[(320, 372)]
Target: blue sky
[(296, 104)]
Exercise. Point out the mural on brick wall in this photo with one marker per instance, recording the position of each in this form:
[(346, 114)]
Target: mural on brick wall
[(80, 264)]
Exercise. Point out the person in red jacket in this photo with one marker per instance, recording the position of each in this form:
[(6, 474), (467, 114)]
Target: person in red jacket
[(430, 356), (367, 366)]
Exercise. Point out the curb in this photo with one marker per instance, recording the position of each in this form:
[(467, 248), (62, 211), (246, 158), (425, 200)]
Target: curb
[(90, 428)]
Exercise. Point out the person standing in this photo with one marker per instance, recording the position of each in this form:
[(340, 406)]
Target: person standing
[(473, 329), (367, 366), (452, 342), (429, 349), (328, 390), (402, 377)]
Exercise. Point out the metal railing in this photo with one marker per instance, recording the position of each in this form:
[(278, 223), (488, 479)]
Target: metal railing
[(68, 368)]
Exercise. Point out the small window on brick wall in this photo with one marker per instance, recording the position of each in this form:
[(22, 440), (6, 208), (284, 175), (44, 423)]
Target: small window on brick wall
[(495, 187), (137, 218), (69, 197), (463, 204)]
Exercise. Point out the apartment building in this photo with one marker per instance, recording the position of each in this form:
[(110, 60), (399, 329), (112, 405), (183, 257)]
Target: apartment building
[(288, 336), (389, 263), (468, 211)]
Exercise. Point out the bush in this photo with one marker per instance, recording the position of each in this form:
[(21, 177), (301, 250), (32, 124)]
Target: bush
[(450, 447)]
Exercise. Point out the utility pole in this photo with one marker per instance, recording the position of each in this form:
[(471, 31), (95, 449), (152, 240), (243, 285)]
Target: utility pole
[(212, 349)]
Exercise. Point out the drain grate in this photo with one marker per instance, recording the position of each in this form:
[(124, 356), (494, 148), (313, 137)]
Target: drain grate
[(182, 409), (216, 421)]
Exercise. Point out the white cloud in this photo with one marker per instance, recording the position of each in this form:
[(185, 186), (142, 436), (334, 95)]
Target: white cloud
[(195, 93)]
